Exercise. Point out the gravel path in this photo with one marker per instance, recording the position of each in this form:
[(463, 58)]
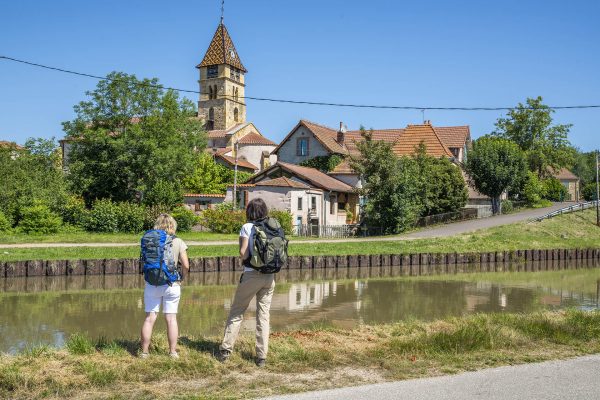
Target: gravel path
[(438, 231)]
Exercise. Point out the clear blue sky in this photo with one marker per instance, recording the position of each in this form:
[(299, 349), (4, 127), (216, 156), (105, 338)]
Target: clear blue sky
[(433, 53)]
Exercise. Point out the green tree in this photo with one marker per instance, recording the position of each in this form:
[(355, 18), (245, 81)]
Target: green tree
[(585, 167), (443, 188), (31, 176), (211, 177), (494, 166), (389, 185), (131, 136), (545, 145)]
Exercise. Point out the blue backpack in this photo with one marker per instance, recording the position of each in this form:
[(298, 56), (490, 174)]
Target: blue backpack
[(157, 258)]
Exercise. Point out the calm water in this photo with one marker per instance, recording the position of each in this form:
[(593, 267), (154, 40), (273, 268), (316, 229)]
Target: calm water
[(47, 310)]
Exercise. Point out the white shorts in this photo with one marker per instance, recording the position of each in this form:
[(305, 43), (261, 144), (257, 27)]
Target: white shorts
[(167, 295)]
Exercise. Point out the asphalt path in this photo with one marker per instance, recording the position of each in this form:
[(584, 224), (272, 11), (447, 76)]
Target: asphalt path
[(555, 380), (437, 231)]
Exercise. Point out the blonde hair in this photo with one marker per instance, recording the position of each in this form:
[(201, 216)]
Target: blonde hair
[(166, 223)]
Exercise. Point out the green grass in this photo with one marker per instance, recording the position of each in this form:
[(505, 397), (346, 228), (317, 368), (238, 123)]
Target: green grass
[(576, 230), (302, 360)]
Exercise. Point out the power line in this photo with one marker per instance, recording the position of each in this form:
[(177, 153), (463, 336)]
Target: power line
[(314, 103)]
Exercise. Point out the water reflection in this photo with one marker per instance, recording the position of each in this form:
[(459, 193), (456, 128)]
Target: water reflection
[(47, 310)]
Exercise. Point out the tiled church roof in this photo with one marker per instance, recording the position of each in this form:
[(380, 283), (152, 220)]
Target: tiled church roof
[(222, 51)]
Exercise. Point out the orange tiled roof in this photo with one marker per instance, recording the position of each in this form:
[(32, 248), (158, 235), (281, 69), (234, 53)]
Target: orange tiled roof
[(255, 138), (283, 182), (221, 133), (222, 51), (6, 145), (414, 135), (240, 162), (203, 195), (453, 136), (565, 175), (315, 177)]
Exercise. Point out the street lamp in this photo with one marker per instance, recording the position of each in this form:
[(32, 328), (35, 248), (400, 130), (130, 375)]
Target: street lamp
[(235, 169), (597, 190)]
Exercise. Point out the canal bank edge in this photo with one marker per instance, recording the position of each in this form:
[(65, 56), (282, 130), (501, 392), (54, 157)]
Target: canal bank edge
[(410, 264)]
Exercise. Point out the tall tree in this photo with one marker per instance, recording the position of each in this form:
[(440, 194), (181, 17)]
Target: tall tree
[(496, 165), (211, 177), (545, 145), (392, 192), (130, 137)]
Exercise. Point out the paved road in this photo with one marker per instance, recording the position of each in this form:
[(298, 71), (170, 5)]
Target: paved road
[(438, 231), (557, 380)]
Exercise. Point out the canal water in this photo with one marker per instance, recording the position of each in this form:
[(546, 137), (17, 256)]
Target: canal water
[(46, 310)]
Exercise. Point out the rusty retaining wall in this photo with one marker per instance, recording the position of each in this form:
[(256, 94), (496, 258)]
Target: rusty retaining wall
[(407, 264)]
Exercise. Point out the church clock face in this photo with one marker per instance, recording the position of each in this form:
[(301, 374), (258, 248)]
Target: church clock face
[(231, 53)]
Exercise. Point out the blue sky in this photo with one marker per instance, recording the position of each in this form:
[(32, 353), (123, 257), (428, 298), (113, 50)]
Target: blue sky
[(425, 53)]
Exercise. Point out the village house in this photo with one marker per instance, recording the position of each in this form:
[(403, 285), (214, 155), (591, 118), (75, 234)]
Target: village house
[(311, 196), (571, 182)]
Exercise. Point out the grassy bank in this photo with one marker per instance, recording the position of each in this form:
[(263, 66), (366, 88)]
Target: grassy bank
[(576, 230), (299, 360)]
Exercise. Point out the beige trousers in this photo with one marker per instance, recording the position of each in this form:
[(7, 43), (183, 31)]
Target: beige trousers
[(252, 283)]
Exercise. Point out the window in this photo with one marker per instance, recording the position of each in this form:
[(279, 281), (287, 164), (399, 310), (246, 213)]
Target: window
[(302, 147), (235, 114), (211, 114), (212, 71), (214, 91), (210, 93), (313, 203), (455, 151), (235, 73), (332, 202), (299, 203)]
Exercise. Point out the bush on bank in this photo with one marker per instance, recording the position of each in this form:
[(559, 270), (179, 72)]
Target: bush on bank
[(224, 219)]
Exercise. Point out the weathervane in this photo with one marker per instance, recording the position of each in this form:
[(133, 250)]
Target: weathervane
[(222, 10)]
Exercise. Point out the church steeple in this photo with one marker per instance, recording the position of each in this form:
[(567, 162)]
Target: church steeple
[(221, 104)]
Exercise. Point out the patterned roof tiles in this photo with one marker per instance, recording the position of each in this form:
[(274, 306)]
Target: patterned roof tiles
[(414, 135), (453, 136), (222, 51)]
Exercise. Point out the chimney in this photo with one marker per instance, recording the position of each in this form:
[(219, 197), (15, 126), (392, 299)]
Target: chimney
[(341, 134), (428, 122)]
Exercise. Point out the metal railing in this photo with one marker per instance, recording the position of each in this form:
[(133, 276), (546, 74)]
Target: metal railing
[(461, 215), (566, 210), (333, 231)]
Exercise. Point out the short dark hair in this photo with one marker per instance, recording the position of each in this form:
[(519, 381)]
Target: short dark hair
[(256, 210)]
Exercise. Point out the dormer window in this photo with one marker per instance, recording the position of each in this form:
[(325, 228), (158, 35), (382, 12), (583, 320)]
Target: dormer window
[(212, 71)]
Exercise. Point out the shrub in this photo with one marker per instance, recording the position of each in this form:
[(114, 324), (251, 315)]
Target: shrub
[(507, 206), (185, 218), (152, 213), (5, 225), (39, 219), (533, 190), (555, 190), (103, 217), (285, 219), (131, 217), (589, 192), (223, 219), (73, 211)]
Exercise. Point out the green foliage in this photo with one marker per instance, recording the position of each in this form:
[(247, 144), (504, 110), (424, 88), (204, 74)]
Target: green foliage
[(285, 218), (79, 344), (73, 211), (507, 206), (390, 186), (39, 219), (545, 145), (5, 225), (589, 192), (554, 190), (186, 218), (533, 190), (132, 136), (103, 217), (130, 217), (323, 163), (210, 177), (29, 176), (585, 167), (443, 188), (223, 219), (494, 166), (152, 213)]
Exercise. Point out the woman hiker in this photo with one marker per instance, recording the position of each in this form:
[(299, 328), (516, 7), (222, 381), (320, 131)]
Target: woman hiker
[(163, 289), (251, 283)]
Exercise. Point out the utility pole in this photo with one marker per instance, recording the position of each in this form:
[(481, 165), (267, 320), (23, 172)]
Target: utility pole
[(597, 189), (235, 165)]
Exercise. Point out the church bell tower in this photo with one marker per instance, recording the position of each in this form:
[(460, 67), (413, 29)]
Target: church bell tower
[(222, 104)]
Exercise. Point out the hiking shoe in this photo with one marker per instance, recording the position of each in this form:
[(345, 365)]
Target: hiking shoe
[(224, 355), (261, 362), (174, 355), (143, 356)]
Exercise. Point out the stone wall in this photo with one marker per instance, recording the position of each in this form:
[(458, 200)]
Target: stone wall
[(405, 264)]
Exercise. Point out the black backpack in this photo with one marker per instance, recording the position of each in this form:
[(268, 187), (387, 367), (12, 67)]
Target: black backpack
[(269, 248)]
